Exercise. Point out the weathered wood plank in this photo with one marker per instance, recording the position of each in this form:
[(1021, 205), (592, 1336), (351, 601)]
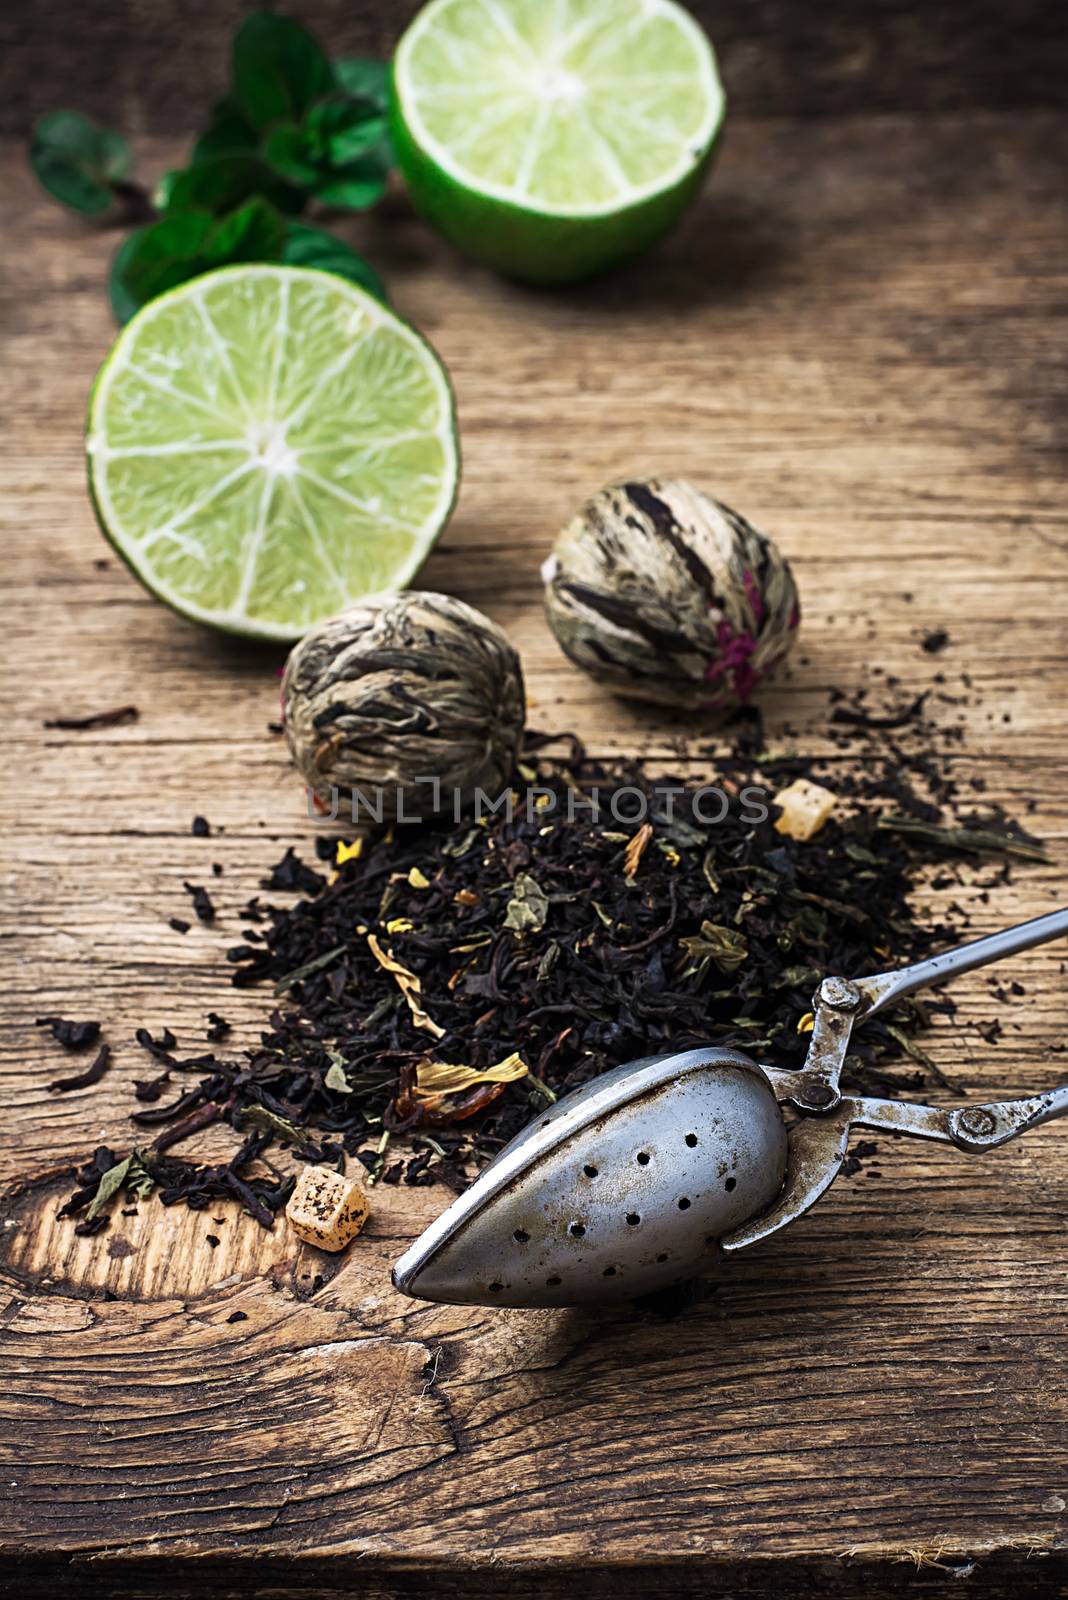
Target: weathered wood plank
[(855, 339), (157, 70)]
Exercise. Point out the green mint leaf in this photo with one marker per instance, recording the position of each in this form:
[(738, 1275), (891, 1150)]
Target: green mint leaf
[(157, 258), (356, 187), (314, 247), (254, 232), (77, 162), (369, 80), (278, 69), (223, 182), (339, 153), (228, 133), (183, 244), (287, 150), (341, 131), (361, 138)]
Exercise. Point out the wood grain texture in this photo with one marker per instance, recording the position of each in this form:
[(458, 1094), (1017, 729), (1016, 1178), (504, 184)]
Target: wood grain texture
[(154, 66), (857, 339)]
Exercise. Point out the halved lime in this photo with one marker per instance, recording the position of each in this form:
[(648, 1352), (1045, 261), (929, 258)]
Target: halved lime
[(267, 445), (551, 138)]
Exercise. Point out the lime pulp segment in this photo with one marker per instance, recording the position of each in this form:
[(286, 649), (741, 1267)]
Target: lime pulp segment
[(270, 444), (570, 108)]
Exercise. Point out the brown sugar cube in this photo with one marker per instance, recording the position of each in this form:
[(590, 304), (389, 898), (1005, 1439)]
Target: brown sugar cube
[(805, 808), (326, 1209)]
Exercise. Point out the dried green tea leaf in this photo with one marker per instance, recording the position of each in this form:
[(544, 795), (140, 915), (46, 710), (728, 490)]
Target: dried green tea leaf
[(725, 946), (548, 961), (271, 1122), (459, 847), (528, 907), (140, 1180), (974, 841), (316, 964), (336, 1077), (799, 978), (109, 1185)]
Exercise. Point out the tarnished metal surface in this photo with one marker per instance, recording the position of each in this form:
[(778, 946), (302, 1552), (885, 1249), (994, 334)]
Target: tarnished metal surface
[(818, 1144), (624, 1187), (886, 987), (639, 1179)]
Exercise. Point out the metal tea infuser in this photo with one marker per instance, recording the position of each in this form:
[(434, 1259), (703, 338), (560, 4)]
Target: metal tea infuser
[(640, 1179)]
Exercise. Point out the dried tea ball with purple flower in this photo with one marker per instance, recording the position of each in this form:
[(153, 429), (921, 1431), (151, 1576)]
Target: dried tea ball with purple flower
[(414, 701), (661, 592)]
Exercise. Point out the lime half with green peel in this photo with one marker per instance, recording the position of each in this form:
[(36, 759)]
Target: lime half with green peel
[(553, 138), (269, 444)]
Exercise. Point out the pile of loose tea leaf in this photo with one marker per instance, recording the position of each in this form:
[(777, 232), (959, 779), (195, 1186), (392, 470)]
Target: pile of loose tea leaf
[(436, 986)]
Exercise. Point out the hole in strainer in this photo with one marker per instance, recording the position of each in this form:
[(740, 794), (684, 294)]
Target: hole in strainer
[(684, 1204), (496, 1287), (609, 1272), (576, 1230), (521, 1236), (553, 1282), (731, 1183), (691, 1139), (643, 1158), (590, 1170), (633, 1219)]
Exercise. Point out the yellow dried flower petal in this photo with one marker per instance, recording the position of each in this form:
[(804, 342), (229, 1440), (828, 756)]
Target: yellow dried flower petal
[(807, 1023), (348, 852), (632, 855), (433, 1078), (417, 879), (409, 986), (400, 925)]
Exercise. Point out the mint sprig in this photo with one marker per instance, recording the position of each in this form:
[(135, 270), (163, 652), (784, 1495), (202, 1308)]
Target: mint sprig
[(295, 129)]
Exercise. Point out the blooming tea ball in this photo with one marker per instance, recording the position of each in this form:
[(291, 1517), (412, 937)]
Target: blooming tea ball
[(661, 592), (415, 701)]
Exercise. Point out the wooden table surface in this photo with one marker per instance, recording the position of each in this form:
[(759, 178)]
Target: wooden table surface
[(857, 338)]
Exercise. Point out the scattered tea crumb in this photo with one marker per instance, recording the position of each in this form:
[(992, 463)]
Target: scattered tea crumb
[(71, 1035), (219, 1027), (201, 828), (202, 902), (96, 719), (238, 1316), (91, 1075), (934, 641), (179, 924)]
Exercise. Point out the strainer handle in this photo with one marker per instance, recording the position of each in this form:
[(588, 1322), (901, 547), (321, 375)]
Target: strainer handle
[(886, 987)]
